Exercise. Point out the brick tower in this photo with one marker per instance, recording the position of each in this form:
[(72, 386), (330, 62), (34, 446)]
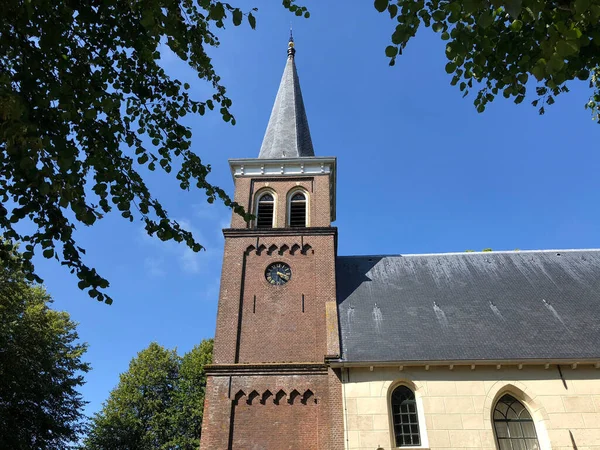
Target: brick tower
[(269, 386)]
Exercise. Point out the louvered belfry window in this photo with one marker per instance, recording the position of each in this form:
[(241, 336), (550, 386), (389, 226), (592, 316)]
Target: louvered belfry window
[(264, 211), (298, 210), (514, 426), (405, 417)]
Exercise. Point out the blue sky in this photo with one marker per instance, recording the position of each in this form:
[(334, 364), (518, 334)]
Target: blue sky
[(417, 166)]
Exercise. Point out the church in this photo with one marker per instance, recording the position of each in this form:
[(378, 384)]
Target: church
[(315, 350)]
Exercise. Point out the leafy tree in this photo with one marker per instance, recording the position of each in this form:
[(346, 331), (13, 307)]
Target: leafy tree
[(189, 401), (41, 365), (504, 47), (86, 106), (158, 403)]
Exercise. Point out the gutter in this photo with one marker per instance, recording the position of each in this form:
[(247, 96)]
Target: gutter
[(401, 364)]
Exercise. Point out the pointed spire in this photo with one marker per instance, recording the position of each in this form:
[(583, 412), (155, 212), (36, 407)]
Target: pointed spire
[(288, 135)]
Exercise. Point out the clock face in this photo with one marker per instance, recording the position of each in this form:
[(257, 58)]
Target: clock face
[(278, 273)]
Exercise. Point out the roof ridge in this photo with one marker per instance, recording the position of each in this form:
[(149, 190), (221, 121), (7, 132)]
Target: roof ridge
[(474, 253)]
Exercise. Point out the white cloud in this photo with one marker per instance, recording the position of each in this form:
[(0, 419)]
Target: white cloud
[(215, 212), (217, 216), (190, 261), (179, 255), (154, 266)]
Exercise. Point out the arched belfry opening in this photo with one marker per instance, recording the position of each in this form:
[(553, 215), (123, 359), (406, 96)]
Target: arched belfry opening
[(265, 211), (298, 209)]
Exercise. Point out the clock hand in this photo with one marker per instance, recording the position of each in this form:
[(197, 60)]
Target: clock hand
[(282, 275)]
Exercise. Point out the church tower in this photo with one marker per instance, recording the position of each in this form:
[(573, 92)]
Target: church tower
[(270, 386)]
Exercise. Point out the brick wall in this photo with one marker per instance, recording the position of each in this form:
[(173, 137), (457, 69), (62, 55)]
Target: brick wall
[(259, 322), (276, 409), (269, 387), (317, 187)]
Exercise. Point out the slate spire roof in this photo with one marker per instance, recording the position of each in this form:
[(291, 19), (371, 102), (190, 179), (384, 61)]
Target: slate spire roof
[(287, 134)]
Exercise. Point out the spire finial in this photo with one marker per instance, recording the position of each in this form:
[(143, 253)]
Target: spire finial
[(291, 50)]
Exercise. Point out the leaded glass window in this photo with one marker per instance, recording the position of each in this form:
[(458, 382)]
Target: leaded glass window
[(298, 210), (264, 211), (405, 418), (514, 426)]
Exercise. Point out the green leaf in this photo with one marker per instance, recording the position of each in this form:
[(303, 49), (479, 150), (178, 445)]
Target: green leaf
[(555, 64), (573, 33), (393, 10), (513, 7), (480, 59), (583, 75), (516, 25), (450, 67), (454, 7), (471, 6), (566, 48), (217, 12), (439, 15), (539, 70), (147, 18), (581, 6), (48, 253), (398, 35), (437, 27), (252, 21), (485, 19), (237, 17), (381, 5), (391, 51)]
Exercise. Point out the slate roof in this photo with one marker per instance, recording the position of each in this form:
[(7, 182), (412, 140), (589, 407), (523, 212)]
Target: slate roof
[(288, 135), (542, 305)]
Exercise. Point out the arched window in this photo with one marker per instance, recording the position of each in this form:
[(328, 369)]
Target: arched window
[(298, 210), (514, 426), (264, 211), (405, 418)]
